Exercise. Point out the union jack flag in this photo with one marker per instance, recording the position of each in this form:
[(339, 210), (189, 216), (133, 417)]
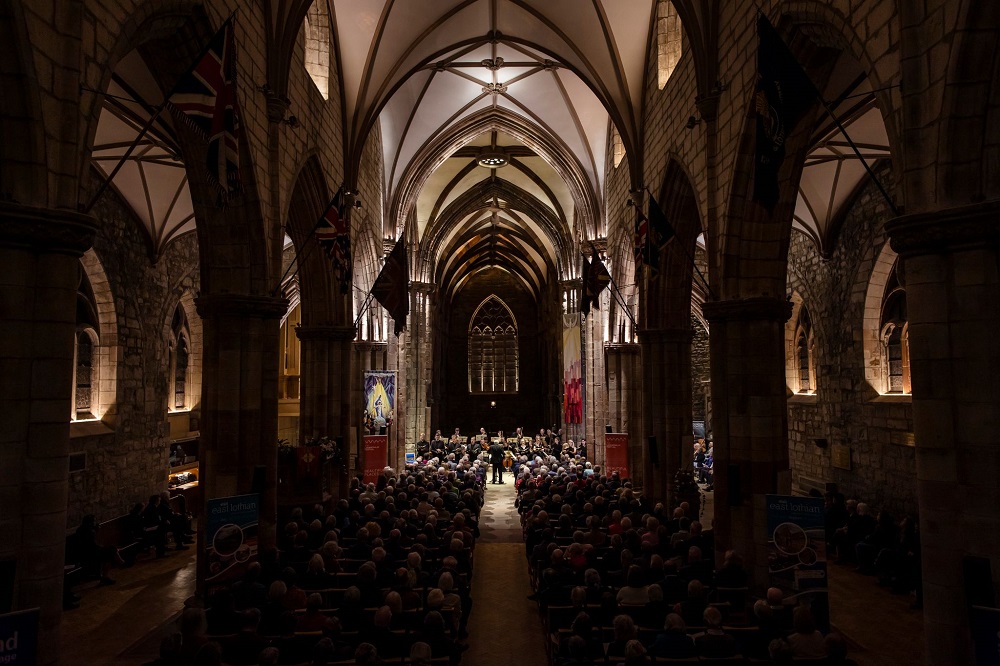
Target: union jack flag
[(205, 98), (334, 236)]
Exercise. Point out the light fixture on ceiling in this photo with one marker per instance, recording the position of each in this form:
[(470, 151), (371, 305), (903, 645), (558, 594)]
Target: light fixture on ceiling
[(492, 157)]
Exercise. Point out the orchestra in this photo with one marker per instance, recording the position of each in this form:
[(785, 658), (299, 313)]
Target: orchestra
[(517, 449)]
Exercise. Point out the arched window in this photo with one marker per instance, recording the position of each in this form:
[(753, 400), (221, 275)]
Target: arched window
[(893, 331), (668, 40), (493, 366), (316, 34), (803, 354), (179, 356), (85, 371)]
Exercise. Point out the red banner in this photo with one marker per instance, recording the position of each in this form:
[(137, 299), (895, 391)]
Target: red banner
[(376, 455), (616, 454)]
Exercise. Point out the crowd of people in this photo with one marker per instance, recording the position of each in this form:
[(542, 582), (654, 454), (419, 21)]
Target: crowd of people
[(877, 545), (385, 574), (621, 582)]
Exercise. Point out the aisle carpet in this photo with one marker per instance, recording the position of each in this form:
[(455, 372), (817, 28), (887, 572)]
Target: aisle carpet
[(504, 627)]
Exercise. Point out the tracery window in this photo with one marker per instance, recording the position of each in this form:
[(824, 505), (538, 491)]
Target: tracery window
[(669, 40), (894, 331), (493, 351), (179, 356)]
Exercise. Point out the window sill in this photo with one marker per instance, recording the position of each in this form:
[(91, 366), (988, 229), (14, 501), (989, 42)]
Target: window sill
[(89, 428), (803, 399), (892, 399)]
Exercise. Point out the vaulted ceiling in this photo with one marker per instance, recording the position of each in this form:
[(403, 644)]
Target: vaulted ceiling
[(542, 81), (552, 73)]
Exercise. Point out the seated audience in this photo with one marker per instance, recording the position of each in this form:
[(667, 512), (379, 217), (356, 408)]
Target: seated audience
[(673, 641), (714, 642), (806, 641)]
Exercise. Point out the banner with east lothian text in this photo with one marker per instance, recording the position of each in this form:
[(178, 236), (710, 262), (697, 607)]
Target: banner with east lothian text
[(231, 536), (616, 454), (19, 637), (796, 552), (376, 450)]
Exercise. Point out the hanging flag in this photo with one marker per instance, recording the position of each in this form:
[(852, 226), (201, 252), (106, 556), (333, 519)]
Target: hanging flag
[(644, 251), (783, 94), (205, 98), (660, 228), (595, 279), (334, 236), (392, 286)]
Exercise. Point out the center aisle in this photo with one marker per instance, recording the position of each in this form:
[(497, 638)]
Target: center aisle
[(504, 627)]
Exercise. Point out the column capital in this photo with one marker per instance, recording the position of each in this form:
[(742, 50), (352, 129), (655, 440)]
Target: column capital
[(241, 305), (936, 232), (666, 335), (325, 332), (60, 231), (755, 308)]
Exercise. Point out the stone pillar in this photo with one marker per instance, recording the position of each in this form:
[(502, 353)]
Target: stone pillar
[(750, 423), (419, 358), (667, 407), (952, 282), (40, 254), (239, 396), (327, 378), (624, 381)]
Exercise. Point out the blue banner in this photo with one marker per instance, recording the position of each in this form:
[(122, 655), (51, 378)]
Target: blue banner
[(231, 536), (796, 552), (19, 637)]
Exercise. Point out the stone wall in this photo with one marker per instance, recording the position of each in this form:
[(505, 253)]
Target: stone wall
[(127, 453), (846, 410)]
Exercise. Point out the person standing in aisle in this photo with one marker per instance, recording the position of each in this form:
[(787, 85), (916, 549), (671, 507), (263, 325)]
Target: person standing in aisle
[(496, 459)]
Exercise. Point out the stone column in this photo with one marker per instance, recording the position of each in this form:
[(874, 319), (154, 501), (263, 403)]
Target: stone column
[(750, 423), (952, 282), (327, 378), (419, 359), (240, 403), (667, 407), (40, 254)]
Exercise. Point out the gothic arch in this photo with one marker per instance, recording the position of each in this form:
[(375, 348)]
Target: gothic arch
[(667, 299), (750, 255), (319, 291), (107, 352), (586, 206)]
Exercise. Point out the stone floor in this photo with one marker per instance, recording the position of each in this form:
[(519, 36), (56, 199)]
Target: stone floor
[(124, 623)]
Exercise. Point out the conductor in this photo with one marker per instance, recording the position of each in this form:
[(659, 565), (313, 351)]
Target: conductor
[(496, 459)]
